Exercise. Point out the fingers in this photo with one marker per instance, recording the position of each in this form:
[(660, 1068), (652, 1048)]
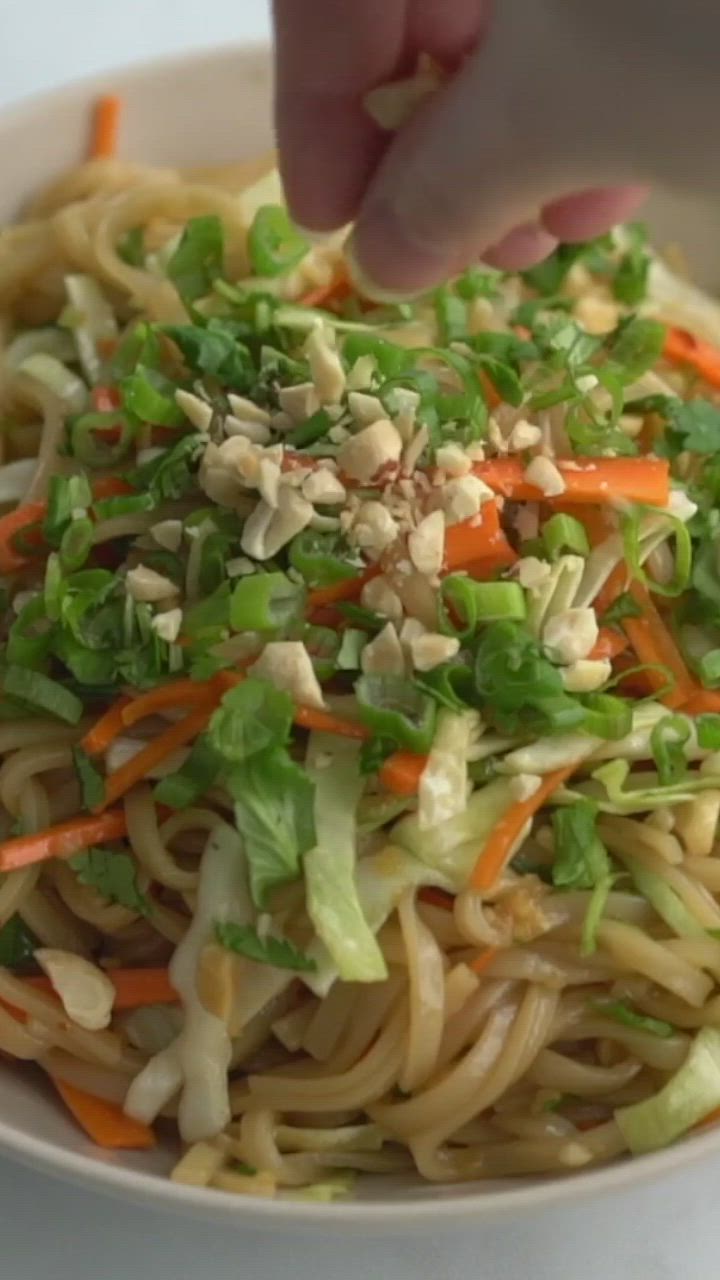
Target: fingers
[(328, 53), (591, 213), (488, 152)]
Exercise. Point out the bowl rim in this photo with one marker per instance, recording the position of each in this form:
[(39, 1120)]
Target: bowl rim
[(458, 1201)]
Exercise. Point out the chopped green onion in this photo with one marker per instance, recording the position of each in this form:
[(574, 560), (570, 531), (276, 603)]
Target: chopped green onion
[(67, 496), (199, 258), (30, 636), (708, 669), (76, 544), (126, 504), (274, 245), (707, 728), (265, 602), (322, 558), (52, 588), (667, 739), (308, 432), (481, 602), (352, 644), (150, 396), (391, 359), (100, 440), (606, 716), (562, 533), (451, 314), (623, 1013), (39, 691), (450, 685), (683, 556), (395, 709)]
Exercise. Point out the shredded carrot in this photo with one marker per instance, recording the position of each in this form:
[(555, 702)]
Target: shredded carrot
[(498, 847), (62, 841), (348, 589), (12, 524), (484, 960), (178, 693), (703, 701), (106, 729), (587, 480), (402, 771), (653, 643), (684, 348), (437, 898), (134, 770), (478, 545), (326, 722), (489, 390), (613, 587), (106, 127), (103, 1121), (608, 644), (134, 988), (336, 291)]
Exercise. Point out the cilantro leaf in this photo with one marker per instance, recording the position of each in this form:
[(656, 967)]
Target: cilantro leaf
[(274, 815), (214, 349), (635, 346), (548, 275), (251, 718), (91, 782), (246, 941), (518, 686), (581, 859), (114, 875), (199, 258), (172, 473), (198, 773), (693, 426), (621, 1011), (17, 943)]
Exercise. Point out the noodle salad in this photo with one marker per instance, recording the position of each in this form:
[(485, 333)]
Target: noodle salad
[(360, 672)]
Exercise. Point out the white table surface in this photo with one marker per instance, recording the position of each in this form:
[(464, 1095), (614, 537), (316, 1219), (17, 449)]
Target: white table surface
[(52, 1230)]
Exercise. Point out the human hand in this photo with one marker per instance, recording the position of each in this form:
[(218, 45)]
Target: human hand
[(524, 145)]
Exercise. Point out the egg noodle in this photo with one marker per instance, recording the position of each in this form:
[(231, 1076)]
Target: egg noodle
[(360, 672)]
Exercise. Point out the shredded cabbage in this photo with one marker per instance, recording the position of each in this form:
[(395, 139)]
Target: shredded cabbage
[(452, 847), (91, 319), (56, 377), (687, 1098), (443, 785), (333, 905)]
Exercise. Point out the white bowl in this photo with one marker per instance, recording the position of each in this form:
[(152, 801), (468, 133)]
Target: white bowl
[(210, 109)]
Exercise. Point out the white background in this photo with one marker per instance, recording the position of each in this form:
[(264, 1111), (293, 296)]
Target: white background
[(52, 1231)]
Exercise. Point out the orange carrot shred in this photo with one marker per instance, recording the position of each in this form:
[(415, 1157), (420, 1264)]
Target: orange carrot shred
[(178, 693), (608, 644), (587, 480), (484, 960), (134, 988), (499, 845), (682, 347), (325, 722), (62, 841), (103, 1121), (106, 127), (106, 729), (134, 770), (703, 701), (402, 771), (653, 644)]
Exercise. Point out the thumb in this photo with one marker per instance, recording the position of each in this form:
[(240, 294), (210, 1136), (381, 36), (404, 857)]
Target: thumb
[(507, 135)]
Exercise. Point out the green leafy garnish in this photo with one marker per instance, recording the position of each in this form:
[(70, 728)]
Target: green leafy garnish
[(251, 719), (274, 814), (246, 941), (114, 875), (581, 859), (17, 943), (214, 349), (92, 784), (517, 685), (625, 606), (199, 258), (274, 245), (201, 769)]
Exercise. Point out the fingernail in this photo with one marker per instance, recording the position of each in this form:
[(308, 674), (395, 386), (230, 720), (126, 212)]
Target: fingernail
[(314, 237), (387, 264), (521, 248)]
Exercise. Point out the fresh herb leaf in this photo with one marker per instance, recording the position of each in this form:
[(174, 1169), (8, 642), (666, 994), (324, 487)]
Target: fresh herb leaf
[(635, 346), (170, 475), (252, 718), (214, 349), (374, 753), (149, 396), (621, 1011), (246, 941), (274, 814), (667, 740), (274, 244), (92, 784), (114, 875), (199, 258), (631, 275), (41, 693), (201, 769), (693, 425), (517, 685), (17, 943), (581, 858)]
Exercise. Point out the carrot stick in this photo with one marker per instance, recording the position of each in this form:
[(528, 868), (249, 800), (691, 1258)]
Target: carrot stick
[(348, 589), (704, 700), (402, 771), (608, 644), (326, 722), (106, 729), (613, 587), (178, 693), (478, 545), (484, 960), (684, 348), (336, 291), (437, 898), (106, 127), (134, 988), (139, 766), (498, 847), (61, 841), (654, 644), (587, 480), (104, 1122)]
